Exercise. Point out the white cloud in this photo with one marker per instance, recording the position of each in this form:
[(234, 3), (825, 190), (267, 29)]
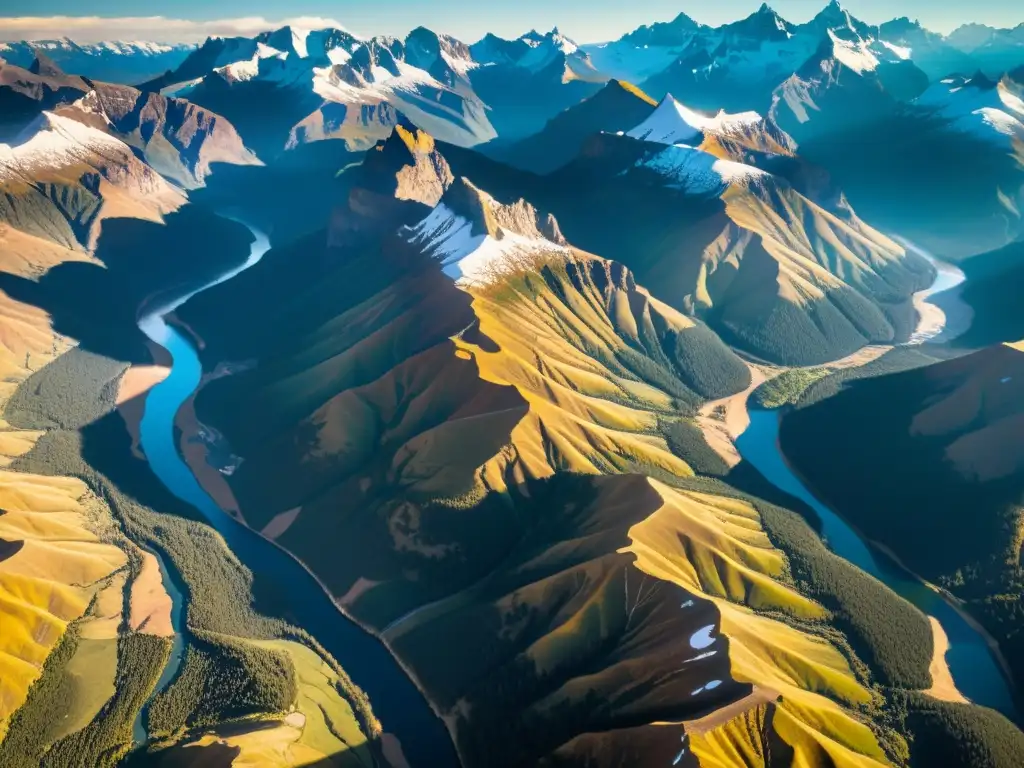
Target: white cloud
[(91, 29)]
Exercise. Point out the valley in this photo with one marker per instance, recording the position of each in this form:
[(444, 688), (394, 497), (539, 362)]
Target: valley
[(400, 402), (380, 676)]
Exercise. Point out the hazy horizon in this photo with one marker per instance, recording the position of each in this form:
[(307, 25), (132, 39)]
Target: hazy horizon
[(592, 21)]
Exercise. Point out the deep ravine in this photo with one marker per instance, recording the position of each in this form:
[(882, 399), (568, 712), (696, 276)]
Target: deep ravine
[(401, 707)]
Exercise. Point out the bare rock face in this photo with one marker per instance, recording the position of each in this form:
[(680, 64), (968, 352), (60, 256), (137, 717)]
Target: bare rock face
[(400, 180), (490, 217), (45, 66), (407, 166), (196, 136)]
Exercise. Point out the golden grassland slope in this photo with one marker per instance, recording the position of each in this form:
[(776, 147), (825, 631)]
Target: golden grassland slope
[(799, 283), (591, 359), (53, 214), (444, 479), (716, 546), (490, 474), (54, 564), (765, 252)]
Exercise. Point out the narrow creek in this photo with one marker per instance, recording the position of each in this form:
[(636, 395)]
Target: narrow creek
[(171, 584), (973, 664), (396, 701)]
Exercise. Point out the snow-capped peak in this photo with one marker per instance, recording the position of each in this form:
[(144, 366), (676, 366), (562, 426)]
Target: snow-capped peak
[(854, 54), (698, 172), (247, 69), (53, 141), (674, 123), (475, 254)]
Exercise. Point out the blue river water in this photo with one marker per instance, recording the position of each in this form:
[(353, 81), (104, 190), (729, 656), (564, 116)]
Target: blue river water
[(974, 667), (399, 705), (972, 662)]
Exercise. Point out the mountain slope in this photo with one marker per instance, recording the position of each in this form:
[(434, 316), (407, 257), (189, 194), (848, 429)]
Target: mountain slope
[(646, 50), (787, 277), (967, 202), (528, 81), (176, 137), (935, 442), (845, 85), (934, 54), (454, 424), (73, 169), (995, 51), (616, 107), (333, 85)]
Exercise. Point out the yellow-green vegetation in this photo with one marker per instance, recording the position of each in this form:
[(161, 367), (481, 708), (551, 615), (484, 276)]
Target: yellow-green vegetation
[(927, 444), (635, 91), (330, 726), (770, 269), (787, 387), (597, 360), (91, 675), (894, 361), (108, 738), (944, 733), (55, 562), (435, 441), (480, 459), (572, 367), (34, 737), (693, 540), (686, 439), (228, 671), (890, 634), (227, 681)]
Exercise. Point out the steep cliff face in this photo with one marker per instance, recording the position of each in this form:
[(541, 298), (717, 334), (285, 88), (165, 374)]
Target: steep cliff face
[(178, 139)]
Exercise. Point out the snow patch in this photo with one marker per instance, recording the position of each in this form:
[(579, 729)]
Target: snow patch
[(56, 142), (673, 122), (457, 65), (900, 51), (698, 172), (474, 259), (338, 56), (241, 70), (702, 638), (330, 87), (994, 114), (854, 55), (299, 38)]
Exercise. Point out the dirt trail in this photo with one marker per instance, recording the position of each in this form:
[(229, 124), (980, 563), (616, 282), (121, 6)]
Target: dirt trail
[(758, 696)]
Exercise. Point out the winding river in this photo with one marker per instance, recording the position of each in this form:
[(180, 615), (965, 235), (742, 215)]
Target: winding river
[(400, 706), (974, 666)]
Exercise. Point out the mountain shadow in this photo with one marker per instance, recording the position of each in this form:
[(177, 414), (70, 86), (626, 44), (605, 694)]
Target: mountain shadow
[(141, 261)]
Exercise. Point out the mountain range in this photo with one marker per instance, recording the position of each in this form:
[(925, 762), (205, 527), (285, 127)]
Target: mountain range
[(404, 402), (115, 61)]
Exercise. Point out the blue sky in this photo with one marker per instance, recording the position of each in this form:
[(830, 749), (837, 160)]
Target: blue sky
[(583, 20)]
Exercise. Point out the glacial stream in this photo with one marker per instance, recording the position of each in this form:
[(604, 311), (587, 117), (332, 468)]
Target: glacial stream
[(399, 705), (972, 662)]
